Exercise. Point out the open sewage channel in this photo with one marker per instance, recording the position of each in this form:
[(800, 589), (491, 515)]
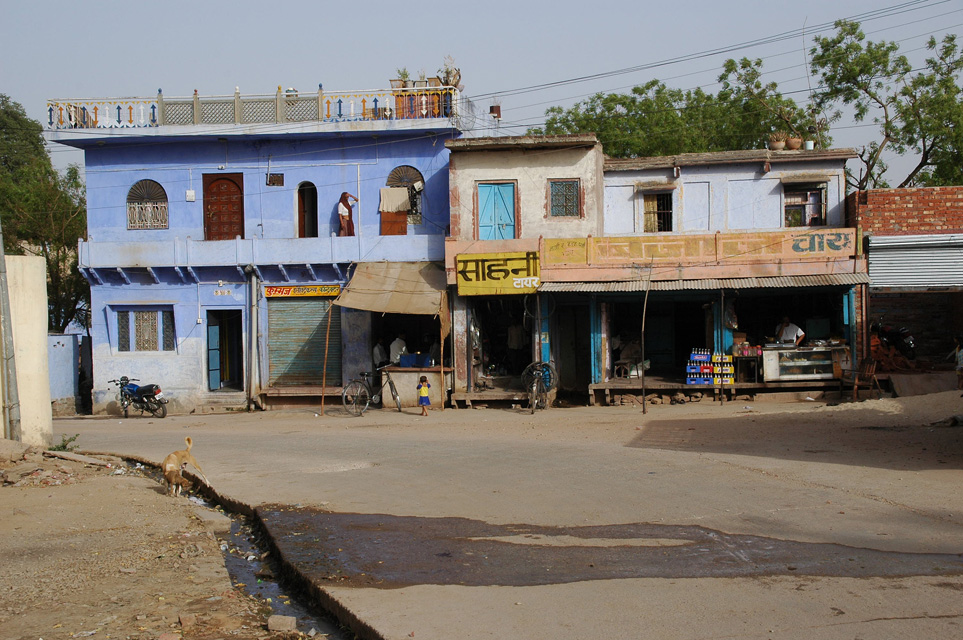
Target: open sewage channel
[(253, 568)]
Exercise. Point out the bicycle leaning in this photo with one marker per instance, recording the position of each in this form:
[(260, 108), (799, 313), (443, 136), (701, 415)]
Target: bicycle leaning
[(539, 378), (358, 394)]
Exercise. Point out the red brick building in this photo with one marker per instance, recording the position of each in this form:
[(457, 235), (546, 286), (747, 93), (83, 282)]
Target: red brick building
[(914, 240)]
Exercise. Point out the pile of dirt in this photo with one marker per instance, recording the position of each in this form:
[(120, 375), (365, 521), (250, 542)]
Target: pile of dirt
[(93, 548)]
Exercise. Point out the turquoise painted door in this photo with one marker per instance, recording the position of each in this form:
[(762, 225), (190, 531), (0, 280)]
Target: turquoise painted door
[(496, 211), (213, 352)]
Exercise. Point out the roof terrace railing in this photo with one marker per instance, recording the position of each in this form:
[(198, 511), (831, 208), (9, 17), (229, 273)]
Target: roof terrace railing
[(290, 106)]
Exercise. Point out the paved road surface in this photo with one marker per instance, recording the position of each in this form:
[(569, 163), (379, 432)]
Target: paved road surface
[(700, 521)]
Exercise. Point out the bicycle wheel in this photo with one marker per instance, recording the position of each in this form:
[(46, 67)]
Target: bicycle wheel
[(394, 393), (355, 397), (543, 370)]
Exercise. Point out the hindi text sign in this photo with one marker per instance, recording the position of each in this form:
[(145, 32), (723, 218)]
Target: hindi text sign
[(479, 274), (301, 290)]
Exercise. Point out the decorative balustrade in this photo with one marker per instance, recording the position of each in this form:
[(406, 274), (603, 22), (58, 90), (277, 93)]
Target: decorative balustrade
[(282, 107)]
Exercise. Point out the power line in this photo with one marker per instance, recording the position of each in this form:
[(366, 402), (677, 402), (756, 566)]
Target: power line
[(794, 33)]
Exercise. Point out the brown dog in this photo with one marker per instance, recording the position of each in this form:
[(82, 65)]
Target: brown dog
[(176, 462), (175, 481)]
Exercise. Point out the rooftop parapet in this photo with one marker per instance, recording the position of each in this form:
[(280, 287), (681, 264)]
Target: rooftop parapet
[(285, 106)]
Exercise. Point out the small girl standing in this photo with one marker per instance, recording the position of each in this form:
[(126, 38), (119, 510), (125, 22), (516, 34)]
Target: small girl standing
[(423, 400)]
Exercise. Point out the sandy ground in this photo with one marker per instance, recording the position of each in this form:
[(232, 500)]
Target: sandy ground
[(94, 551)]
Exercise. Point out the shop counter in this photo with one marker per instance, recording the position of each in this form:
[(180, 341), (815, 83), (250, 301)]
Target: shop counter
[(788, 363), (406, 381)]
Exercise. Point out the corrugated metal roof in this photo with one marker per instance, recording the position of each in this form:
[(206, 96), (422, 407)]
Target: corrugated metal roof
[(710, 284), (944, 239)]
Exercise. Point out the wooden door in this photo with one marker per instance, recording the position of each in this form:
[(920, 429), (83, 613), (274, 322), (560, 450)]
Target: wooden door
[(223, 206), (394, 223), (496, 211)]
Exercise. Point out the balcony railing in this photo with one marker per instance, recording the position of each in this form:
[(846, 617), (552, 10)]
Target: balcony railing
[(282, 107), (287, 252)]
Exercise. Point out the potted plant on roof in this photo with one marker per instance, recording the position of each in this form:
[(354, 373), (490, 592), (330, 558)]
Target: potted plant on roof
[(403, 80), (777, 140), (794, 141), (402, 107)]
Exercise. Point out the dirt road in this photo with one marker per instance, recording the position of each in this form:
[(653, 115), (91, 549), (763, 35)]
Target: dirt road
[(97, 551)]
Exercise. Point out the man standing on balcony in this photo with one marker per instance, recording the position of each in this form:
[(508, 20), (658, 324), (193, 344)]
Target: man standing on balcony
[(344, 214)]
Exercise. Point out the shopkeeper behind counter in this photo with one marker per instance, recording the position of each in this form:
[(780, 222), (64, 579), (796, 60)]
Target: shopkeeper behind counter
[(786, 331)]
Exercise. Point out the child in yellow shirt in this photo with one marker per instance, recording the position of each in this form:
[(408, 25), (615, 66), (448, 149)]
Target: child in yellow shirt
[(423, 400)]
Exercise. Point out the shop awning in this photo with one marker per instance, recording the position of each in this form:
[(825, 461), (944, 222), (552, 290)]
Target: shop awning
[(709, 284), (397, 287)]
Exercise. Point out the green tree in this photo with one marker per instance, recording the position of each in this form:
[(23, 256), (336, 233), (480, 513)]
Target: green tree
[(916, 111), (43, 213), (756, 108), (655, 120), (21, 139)]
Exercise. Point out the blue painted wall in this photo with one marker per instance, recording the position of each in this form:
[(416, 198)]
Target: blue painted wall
[(731, 197), (334, 163), (359, 165), (63, 365)]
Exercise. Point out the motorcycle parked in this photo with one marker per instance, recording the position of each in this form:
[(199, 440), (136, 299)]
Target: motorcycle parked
[(148, 397), (893, 336)]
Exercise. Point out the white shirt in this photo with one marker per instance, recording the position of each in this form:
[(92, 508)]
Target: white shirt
[(378, 354), (397, 349), (789, 333)]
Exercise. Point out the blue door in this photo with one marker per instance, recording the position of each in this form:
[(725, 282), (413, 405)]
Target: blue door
[(213, 352), (496, 211)]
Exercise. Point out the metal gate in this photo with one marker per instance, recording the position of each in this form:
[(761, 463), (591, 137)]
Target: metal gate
[(296, 342), (916, 262)]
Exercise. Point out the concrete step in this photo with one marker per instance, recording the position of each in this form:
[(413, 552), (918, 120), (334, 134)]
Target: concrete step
[(222, 402)]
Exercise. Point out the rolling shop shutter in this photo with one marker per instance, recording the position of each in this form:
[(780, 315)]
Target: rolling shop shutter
[(296, 337), (916, 262)]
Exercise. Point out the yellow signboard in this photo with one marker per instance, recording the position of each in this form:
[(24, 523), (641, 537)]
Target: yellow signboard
[(481, 274), (302, 290)]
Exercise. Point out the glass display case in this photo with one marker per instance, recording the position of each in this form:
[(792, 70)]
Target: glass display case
[(802, 363)]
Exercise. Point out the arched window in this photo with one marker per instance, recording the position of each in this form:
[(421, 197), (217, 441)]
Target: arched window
[(307, 210), (146, 206), (407, 177)]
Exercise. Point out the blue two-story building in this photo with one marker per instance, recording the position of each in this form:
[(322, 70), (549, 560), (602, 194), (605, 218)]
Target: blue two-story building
[(216, 243)]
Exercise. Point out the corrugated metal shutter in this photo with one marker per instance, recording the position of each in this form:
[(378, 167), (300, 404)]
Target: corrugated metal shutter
[(296, 336), (916, 262)]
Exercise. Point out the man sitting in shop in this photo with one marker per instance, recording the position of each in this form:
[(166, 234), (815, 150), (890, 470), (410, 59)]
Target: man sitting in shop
[(397, 348), (378, 355), (788, 332)]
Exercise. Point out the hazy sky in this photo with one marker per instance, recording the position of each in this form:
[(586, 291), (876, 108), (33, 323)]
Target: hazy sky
[(507, 51)]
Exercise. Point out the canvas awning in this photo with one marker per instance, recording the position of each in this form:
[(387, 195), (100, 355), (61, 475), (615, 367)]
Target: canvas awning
[(397, 287)]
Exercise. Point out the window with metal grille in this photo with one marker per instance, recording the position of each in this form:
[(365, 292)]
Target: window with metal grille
[(410, 178), (565, 199), (145, 330), (146, 206), (657, 212), (805, 205)]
